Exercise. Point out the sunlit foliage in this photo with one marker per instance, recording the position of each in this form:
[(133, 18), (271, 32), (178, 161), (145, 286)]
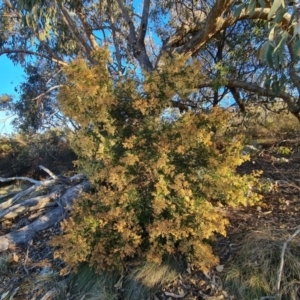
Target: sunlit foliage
[(158, 185)]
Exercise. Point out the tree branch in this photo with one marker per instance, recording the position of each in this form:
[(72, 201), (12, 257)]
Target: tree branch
[(137, 42), (216, 22), (48, 49), (48, 91), (87, 28), (237, 98), (2, 179), (72, 27), (26, 233), (48, 172), (280, 270), (233, 83), (46, 183), (144, 22), (114, 35), (27, 205), (28, 52), (132, 31)]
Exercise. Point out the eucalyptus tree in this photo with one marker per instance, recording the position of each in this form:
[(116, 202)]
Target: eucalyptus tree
[(37, 109), (246, 49)]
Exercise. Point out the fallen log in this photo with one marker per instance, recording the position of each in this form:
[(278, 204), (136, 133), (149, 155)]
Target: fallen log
[(26, 233), (28, 205), (62, 192)]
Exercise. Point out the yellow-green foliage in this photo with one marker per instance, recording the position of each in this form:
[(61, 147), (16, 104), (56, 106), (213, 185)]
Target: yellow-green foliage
[(157, 184)]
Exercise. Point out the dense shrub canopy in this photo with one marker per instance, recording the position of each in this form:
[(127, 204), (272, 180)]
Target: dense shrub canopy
[(158, 179)]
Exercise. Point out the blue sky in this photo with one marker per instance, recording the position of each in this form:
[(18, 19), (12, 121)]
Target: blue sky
[(10, 77)]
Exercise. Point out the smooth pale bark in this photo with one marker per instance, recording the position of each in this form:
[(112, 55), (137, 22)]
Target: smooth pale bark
[(61, 205)]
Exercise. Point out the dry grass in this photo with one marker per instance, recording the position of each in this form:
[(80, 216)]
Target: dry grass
[(148, 278), (253, 273), (142, 282), (86, 284), (265, 124), (46, 284)]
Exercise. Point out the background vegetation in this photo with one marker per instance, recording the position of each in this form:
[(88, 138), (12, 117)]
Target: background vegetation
[(161, 103)]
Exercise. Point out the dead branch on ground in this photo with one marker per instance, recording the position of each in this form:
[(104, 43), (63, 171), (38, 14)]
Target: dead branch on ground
[(48, 201), (280, 270)]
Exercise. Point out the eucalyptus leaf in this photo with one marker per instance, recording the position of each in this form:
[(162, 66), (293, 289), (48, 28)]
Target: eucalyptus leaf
[(296, 48), (262, 50), (239, 9), (28, 21), (279, 14), (282, 81), (42, 35), (262, 3), (274, 8), (272, 34), (276, 59), (282, 42), (267, 55), (296, 29), (251, 7)]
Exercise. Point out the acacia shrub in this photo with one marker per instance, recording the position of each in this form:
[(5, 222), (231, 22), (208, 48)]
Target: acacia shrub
[(157, 184)]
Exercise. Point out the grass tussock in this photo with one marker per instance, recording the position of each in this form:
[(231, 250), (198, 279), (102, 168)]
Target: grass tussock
[(86, 284), (141, 282), (253, 274), (147, 279)]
